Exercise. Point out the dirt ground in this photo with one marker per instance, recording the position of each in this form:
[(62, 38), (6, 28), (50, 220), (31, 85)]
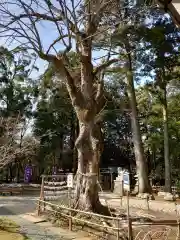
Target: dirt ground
[(156, 219), (162, 213)]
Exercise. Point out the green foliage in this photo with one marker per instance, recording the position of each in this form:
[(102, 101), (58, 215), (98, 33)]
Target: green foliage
[(16, 87), (53, 118), (17, 96)]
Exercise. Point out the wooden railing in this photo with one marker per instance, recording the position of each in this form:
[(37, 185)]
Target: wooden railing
[(122, 229)]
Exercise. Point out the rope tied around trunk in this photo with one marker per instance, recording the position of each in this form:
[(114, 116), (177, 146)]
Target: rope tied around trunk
[(87, 174)]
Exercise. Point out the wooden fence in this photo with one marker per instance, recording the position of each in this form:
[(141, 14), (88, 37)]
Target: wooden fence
[(54, 186), (116, 230), (68, 213)]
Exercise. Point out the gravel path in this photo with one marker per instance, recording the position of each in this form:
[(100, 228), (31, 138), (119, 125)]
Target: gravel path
[(15, 208)]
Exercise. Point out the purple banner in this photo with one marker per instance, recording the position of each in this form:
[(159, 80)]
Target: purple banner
[(28, 174)]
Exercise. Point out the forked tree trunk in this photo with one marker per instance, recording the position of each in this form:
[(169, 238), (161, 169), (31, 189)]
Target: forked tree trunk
[(87, 96), (141, 164)]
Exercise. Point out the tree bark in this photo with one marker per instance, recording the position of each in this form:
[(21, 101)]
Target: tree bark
[(166, 146), (141, 164), (88, 145)]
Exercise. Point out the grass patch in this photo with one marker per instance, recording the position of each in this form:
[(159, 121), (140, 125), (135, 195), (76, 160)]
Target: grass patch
[(9, 230)]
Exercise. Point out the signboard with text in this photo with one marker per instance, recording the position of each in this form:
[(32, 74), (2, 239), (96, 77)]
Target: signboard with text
[(126, 181)]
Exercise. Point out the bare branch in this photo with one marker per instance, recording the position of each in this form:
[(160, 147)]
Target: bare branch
[(11, 147), (38, 16), (24, 26), (105, 65), (57, 40)]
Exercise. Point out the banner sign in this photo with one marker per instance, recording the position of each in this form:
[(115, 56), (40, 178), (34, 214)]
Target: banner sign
[(28, 174), (126, 181)]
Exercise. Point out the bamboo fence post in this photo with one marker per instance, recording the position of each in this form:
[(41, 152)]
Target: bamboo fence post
[(178, 230), (130, 236), (118, 229), (70, 213), (41, 197), (147, 201)]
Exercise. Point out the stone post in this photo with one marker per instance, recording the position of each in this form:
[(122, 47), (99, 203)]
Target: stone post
[(119, 183)]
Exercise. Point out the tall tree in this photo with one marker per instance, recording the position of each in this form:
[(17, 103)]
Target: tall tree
[(77, 23), (126, 38), (16, 98), (162, 59), (53, 120)]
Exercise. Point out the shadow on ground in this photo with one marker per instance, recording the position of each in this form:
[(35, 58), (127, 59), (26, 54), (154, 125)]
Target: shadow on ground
[(10, 205), (5, 211)]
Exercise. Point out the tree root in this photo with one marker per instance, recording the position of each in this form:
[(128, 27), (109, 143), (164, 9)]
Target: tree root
[(95, 208), (147, 196), (104, 210)]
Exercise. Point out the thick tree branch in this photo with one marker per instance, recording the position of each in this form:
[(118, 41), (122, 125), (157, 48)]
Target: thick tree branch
[(63, 72), (104, 65), (100, 98)]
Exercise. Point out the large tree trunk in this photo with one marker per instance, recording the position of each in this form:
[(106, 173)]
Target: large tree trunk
[(166, 146), (89, 149), (141, 164)]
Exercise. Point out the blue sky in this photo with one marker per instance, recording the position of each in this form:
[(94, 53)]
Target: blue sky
[(47, 36), (48, 33)]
